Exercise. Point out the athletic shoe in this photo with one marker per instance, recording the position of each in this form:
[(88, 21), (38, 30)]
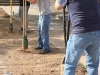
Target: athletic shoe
[(44, 51), (28, 30), (20, 29)]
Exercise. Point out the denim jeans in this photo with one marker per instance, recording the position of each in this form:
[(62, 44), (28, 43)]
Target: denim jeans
[(43, 31), (99, 60), (76, 45)]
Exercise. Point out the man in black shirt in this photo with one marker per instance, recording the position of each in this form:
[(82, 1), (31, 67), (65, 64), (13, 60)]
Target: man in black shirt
[(21, 13)]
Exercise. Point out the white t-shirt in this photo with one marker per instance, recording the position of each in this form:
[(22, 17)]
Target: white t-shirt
[(44, 7)]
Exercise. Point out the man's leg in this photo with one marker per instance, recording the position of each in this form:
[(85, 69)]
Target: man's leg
[(92, 55), (21, 16), (45, 24), (40, 43), (76, 45), (99, 62)]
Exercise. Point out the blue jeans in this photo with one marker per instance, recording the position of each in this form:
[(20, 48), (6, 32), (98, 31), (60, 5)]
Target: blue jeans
[(76, 45), (99, 60), (43, 31)]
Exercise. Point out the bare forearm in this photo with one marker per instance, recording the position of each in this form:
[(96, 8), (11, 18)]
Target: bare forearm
[(57, 5), (32, 1)]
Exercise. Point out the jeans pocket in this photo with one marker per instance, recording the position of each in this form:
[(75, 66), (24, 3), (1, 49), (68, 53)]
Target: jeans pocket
[(80, 40), (99, 34)]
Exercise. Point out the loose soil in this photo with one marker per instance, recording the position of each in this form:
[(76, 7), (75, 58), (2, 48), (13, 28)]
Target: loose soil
[(15, 61)]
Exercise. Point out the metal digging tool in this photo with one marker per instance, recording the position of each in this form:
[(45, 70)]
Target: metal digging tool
[(10, 26), (65, 39), (24, 41), (68, 30)]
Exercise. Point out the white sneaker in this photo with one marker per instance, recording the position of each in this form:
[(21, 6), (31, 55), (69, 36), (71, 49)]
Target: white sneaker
[(28, 30), (20, 29)]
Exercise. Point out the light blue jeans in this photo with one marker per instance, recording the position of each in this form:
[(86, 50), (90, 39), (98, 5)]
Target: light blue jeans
[(43, 31), (76, 45), (99, 60)]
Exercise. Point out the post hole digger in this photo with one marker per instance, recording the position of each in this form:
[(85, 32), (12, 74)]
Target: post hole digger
[(24, 41), (10, 26), (68, 31)]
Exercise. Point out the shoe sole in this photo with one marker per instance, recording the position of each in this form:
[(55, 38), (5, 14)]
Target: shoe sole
[(44, 52)]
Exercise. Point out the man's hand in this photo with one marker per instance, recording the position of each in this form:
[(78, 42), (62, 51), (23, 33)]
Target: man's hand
[(57, 5), (32, 1)]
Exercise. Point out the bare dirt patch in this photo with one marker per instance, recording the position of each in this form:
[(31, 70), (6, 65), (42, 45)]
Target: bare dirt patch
[(15, 61)]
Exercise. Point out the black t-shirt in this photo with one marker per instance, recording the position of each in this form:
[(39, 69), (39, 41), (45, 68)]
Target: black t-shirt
[(21, 3)]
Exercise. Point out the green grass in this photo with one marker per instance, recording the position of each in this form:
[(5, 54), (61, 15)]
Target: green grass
[(80, 64)]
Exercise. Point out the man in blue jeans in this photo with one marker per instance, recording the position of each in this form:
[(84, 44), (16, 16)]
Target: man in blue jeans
[(43, 25), (85, 19)]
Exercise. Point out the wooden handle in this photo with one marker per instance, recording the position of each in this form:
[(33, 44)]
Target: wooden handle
[(10, 11), (24, 18)]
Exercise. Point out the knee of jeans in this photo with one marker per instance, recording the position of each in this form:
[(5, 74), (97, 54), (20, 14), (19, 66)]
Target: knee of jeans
[(42, 33)]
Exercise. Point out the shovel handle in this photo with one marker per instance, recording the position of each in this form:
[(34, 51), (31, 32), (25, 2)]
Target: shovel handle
[(68, 31), (10, 11), (24, 18)]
